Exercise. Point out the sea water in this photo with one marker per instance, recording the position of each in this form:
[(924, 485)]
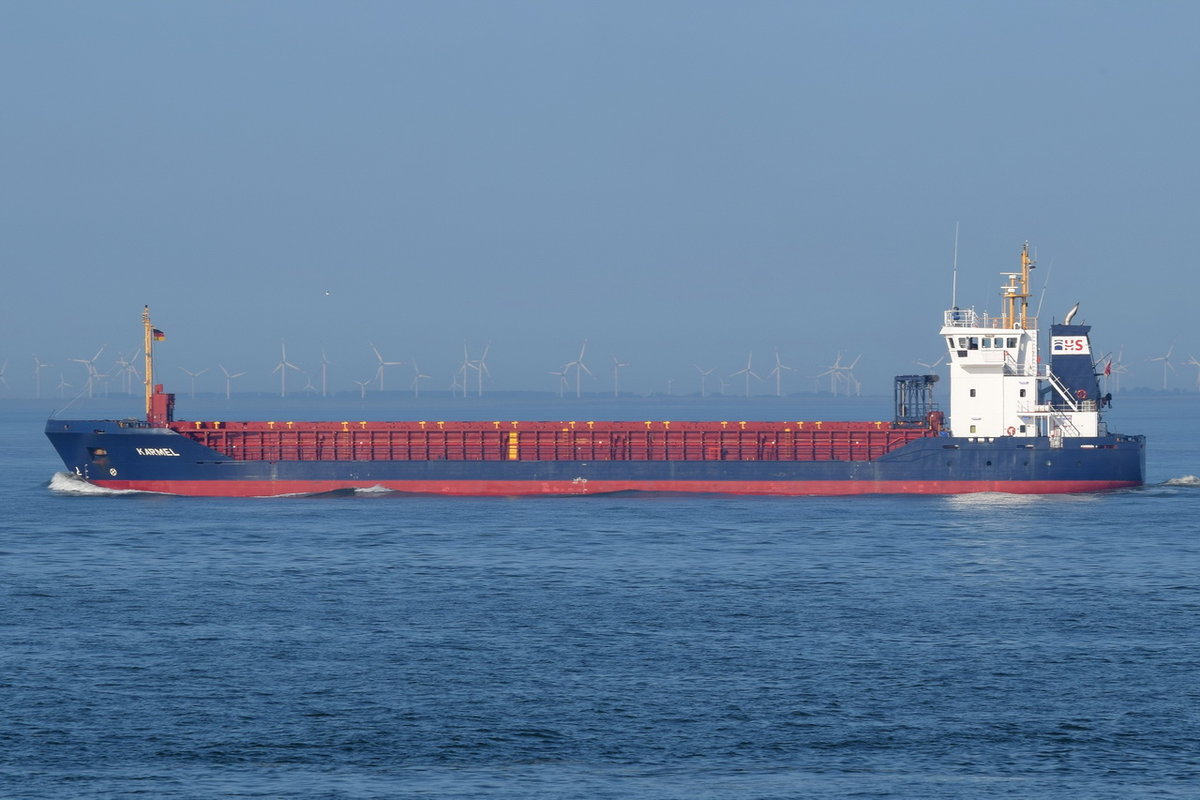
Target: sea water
[(625, 646)]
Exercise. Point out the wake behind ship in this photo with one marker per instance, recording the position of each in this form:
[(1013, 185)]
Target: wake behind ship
[(1016, 425)]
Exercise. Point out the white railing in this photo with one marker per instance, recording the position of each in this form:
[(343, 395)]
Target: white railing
[(970, 318), (1032, 409), (964, 318), (1014, 367), (1046, 409)]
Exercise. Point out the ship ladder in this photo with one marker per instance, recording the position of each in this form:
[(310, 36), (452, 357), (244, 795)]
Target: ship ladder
[(1062, 390)]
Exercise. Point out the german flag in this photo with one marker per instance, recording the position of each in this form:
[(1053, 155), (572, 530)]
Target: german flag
[(158, 335)]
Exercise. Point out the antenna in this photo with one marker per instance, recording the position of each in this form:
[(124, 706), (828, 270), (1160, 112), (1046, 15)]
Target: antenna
[(954, 272), (1041, 299)]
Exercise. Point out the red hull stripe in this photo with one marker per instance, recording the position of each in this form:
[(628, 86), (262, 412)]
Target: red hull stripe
[(511, 488)]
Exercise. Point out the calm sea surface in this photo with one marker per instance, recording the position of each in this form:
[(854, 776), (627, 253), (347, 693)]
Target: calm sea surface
[(625, 646)]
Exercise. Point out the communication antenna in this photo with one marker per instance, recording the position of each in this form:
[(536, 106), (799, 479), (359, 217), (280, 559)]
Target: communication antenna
[(1045, 283), (954, 272)]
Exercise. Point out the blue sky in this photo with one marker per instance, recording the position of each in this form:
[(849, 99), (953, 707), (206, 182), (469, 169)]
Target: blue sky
[(678, 183)]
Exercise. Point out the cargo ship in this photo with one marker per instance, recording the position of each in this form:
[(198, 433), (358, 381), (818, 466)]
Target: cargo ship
[(1016, 425)]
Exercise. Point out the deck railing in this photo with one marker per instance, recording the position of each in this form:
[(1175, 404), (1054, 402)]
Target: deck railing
[(970, 318)]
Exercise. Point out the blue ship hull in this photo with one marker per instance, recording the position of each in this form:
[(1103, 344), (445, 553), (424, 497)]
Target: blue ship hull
[(132, 455)]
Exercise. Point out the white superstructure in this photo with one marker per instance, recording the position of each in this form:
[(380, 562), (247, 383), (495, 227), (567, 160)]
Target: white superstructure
[(998, 383)]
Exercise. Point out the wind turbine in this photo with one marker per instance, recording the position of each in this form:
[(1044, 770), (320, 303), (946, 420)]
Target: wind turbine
[(704, 373), (325, 362), (562, 381), (194, 376), (308, 384), (480, 367), (617, 364), (38, 366), (839, 373), (3, 367), (833, 373), (90, 363), (1119, 368), (417, 378), (748, 372), (282, 367), (130, 370), (1166, 360), (229, 380), (62, 383), (580, 367), (1192, 362), (122, 372), (362, 387), (850, 379), (778, 373), (382, 364), (463, 370), (931, 366)]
